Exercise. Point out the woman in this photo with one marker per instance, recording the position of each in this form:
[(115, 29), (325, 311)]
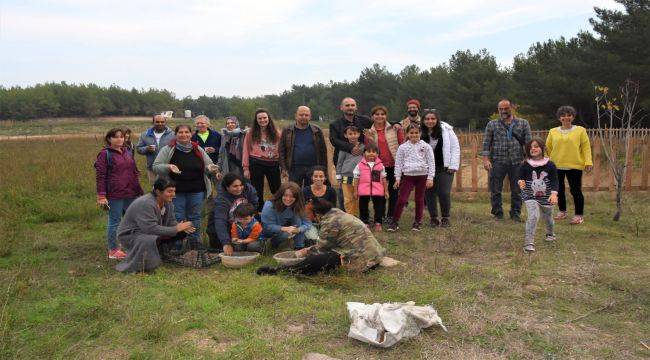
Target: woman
[(388, 139), (446, 153), (148, 222), (232, 141), (260, 157), (117, 184), (233, 192), (344, 241), (569, 148), (188, 165), (283, 217), (128, 143), (319, 189), (207, 138)]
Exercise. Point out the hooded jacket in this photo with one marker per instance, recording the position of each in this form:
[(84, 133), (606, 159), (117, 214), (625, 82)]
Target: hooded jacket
[(225, 204), (148, 138)]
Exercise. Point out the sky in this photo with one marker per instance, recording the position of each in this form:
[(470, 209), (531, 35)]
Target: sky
[(250, 48)]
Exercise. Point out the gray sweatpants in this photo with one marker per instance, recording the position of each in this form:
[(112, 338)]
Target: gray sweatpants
[(535, 210)]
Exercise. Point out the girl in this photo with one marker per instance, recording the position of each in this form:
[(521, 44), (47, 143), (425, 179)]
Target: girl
[(260, 156), (283, 217), (446, 152), (415, 166), (538, 183), (568, 146), (319, 189), (117, 185), (370, 183)]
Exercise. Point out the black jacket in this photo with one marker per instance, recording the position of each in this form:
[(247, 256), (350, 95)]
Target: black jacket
[(339, 142)]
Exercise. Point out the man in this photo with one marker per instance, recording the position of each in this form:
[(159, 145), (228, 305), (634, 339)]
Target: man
[(337, 137), (502, 155), (413, 111), (302, 146), (151, 141)]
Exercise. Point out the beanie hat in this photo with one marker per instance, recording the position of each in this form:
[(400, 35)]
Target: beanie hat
[(414, 102)]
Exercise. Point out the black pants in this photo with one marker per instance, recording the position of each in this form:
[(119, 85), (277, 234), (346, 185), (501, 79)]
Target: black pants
[(496, 177), (378, 204), (259, 170), (440, 192), (301, 175), (392, 192), (575, 185)]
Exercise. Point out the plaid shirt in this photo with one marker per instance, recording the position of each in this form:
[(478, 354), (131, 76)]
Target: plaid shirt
[(499, 148)]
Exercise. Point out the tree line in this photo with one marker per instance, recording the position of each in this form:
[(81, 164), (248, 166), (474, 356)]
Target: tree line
[(465, 89)]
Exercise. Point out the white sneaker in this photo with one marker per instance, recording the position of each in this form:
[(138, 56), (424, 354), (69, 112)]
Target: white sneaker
[(550, 237), (529, 248)]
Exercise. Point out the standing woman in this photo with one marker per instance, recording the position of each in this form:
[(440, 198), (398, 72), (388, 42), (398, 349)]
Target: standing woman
[(388, 139), (446, 153), (260, 156), (117, 185), (207, 138), (569, 148), (188, 165), (232, 141)]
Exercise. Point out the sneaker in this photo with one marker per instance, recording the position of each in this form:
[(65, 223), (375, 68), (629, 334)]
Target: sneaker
[(416, 226), (560, 216), (388, 220), (435, 222), (445, 222), (529, 248), (550, 237), (393, 227), (515, 218), (577, 220), (116, 254), (378, 227), (498, 216)]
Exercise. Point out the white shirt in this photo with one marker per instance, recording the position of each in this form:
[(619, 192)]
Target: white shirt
[(158, 136)]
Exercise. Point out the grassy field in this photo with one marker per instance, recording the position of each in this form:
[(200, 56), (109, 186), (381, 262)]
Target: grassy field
[(586, 296)]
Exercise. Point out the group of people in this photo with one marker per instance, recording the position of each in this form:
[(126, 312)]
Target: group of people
[(224, 172)]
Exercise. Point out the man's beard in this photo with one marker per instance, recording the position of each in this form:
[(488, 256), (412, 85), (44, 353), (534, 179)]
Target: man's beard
[(413, 113)]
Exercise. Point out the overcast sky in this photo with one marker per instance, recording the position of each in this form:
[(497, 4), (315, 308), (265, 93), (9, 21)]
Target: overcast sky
[(247, 48)]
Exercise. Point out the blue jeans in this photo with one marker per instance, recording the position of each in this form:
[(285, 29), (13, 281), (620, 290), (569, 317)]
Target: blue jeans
[(118, 208), (279, 237), (496, 178), (187, 207)]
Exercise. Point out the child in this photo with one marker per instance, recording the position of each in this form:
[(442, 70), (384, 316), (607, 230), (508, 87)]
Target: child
[(245, 232), (414, 167), (370, 183), (345, 168), (539, 186)]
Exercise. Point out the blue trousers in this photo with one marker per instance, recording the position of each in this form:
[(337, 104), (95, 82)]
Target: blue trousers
[(187, 207), (279, 237), (118, 208)]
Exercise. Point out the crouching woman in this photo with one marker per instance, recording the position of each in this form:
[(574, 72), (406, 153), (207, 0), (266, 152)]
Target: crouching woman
[(344, 241), (148, 222), (284, 217)]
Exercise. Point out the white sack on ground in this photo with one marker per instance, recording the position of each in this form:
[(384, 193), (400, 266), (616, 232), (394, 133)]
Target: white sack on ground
[(384, 325)]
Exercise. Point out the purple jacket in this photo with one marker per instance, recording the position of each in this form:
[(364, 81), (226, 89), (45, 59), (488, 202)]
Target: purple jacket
[(120, 179)]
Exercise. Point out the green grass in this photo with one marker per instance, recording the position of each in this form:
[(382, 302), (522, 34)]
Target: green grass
[(60, 297)]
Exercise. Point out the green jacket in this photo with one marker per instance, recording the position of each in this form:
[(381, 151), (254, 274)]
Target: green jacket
[(160, 166), (349, 236)]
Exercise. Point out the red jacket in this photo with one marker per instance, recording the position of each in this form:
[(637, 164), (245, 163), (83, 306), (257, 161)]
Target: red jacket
[(117, 177)]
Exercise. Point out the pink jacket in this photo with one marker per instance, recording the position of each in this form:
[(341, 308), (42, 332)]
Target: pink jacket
[(370, 179)]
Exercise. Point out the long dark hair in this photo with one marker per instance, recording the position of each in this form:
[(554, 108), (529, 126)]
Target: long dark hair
[(271, 132), (298, 206), (427, 132)]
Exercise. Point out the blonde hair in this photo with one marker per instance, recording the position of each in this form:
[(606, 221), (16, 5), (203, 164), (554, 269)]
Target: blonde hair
[(207, 119)]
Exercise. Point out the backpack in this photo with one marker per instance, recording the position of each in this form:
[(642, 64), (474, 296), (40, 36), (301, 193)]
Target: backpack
[(109, 165)]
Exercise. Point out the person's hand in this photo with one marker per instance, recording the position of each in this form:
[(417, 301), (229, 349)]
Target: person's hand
[(396, 186), (151, 148), (102, 202), (185, 226), (397, 126), (302, 252), (487, 165), (284, 176), (451, 171), (173, 168), (355, 193), (429, 184), (553, 198), (235, 241), (247, 241), (247, 174), (356, 150), (288, 229), (219, 176), (209, 149), (522, 184), (227, 250), (588, 168), (213, 168), (386, 194)]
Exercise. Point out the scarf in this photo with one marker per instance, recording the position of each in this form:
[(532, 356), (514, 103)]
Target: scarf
[(184, 148), (232, 141), (537, 163)]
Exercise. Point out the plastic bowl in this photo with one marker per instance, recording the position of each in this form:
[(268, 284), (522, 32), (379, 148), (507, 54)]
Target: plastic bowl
[(238, 259), (287, 258)]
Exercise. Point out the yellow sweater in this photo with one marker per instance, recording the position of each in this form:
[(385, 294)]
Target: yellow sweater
[(569, 150)]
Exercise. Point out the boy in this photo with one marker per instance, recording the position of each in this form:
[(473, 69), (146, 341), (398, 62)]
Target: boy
[(345, 170), (246, 231)]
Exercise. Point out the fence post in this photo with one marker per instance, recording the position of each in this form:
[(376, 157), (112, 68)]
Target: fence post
[(474, 165), (596, 161), (459, 174), (628, 165), (644, 165)]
